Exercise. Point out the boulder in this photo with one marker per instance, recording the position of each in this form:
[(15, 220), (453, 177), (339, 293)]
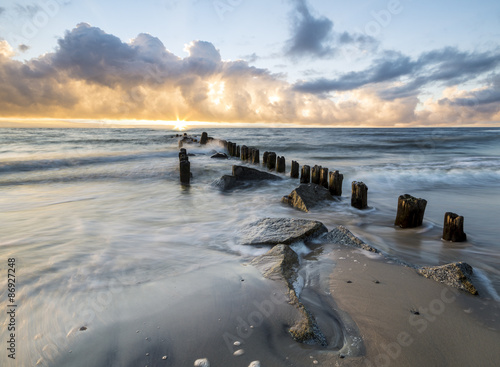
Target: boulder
[(341, 235), (244, 173), (273, 231), (219, 156), (456, 275), (226, 182), (281, 264), (306, 196)]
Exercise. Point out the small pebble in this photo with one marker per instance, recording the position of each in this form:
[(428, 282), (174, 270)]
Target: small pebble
[(239, 352), (251, 326), (237, 343), (349, 281), (83, 328), (376, 281), (254, 364), (415, 312), (202, 363), (315, 362), (342, 356), (147, 354), (164, 357), (138, 331)]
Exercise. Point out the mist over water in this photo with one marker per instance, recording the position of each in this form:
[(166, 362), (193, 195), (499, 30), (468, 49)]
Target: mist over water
[(86, 209)]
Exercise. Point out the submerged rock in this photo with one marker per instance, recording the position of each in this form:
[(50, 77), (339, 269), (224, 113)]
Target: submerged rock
[(306, 196), (278, 263), (203, 362), (241, 176), (273, 231), (244, 173), (281, 264), (456, 275), (341, 235), (219, 156)]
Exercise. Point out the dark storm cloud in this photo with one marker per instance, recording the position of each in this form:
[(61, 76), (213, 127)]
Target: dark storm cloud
[(448, 66), (478, 98), (314, 35)]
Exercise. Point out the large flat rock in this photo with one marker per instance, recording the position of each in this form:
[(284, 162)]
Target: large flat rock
[(243, 175), (341, 235), (307, 196), (273, 231)]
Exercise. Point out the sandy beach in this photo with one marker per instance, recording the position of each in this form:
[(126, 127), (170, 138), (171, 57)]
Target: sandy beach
[(372, 311)]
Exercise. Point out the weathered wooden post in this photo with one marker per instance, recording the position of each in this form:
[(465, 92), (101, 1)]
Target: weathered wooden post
[(453, 229), (281, 165), (410, 211), (184, 167), (359, 196), (315, 174), (204, 138), (271, 161), (244, 153), (294, 172), (335, 183), (264, 158), (305, 174), (250, 154), (255, 156), (237, 151), (323, 177)]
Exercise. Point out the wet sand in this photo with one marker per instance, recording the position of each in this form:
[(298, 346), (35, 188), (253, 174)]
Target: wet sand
[(365, 306)]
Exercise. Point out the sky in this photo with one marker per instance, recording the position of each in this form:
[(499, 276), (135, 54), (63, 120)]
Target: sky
[(392, 63)]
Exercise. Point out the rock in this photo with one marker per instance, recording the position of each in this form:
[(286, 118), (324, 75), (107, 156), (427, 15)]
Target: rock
[(226, 182), (456, 275), (219, 156), (202, 363), (280, 262), (254, 364), (341, 235), (307, 196), (244, 173), (273, 231)]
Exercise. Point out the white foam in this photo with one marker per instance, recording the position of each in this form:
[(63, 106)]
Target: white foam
[(483, 278), (300, 248)]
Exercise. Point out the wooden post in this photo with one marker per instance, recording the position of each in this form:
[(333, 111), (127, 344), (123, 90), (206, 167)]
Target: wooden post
[(453, 229), (204, 138), (323, 177), (250, 154), (359, 197), (294, 172), (244, 153), (315, 174), (271, 161), (264, 158), (410, 211), (335, 183), (305, 175), (238, 151), (255, 156), (184, 167), (281, 165)]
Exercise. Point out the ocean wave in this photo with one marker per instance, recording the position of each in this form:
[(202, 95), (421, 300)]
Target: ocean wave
[(77, 161)]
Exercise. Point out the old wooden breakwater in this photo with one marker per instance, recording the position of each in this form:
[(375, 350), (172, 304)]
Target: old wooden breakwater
[(410, 210)]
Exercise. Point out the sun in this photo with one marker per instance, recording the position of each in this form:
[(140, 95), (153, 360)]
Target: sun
[(180, 125)]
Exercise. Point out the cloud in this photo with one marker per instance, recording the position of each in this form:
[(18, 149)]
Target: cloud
[(398, 76), (314, 36), (95, 75)]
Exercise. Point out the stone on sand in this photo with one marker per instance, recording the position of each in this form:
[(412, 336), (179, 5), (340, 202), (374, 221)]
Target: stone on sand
[(307, 196), (456, 275), (273, 231), (341, 235)]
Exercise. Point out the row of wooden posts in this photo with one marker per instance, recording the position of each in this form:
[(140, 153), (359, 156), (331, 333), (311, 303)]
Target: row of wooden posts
[(410, 212)]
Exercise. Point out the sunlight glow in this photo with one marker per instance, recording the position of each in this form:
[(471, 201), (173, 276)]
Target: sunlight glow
[(180, 125), (274, 99)]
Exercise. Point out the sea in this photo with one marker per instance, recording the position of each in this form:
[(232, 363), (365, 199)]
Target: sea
[(87, 210)]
